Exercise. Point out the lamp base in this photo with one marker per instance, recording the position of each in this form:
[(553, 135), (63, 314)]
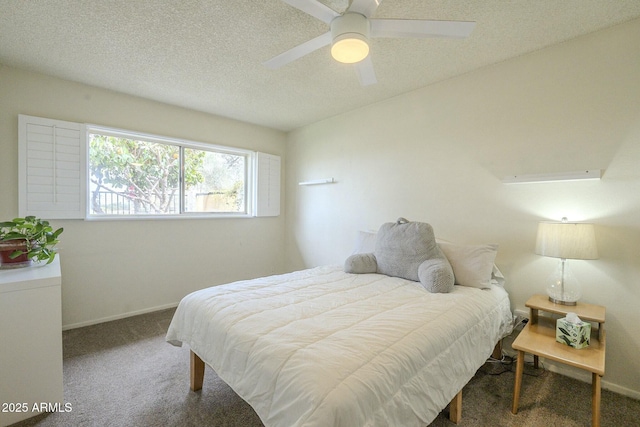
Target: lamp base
[(558, 301), (563, 287)]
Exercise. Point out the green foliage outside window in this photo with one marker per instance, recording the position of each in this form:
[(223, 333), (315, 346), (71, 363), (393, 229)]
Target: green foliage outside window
[(131, 176)]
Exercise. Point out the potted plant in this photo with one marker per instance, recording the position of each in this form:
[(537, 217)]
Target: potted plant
[(23, 240)]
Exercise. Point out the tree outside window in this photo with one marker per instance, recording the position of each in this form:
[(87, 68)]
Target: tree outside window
[(130, 176)]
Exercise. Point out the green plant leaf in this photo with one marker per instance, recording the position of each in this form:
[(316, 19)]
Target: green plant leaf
[(15, 254), (14, 235)]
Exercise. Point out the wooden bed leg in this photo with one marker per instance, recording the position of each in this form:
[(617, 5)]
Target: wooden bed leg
[(455, 408), (197, 372), (497, 351)]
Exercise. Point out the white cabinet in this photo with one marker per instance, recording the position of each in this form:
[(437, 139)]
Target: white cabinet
[(30, 341)]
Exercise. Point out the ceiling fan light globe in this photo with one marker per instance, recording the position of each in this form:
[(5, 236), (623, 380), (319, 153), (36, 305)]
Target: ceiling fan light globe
[(350, 48)]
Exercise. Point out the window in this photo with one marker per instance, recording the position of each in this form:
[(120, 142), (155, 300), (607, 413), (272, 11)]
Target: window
[(72, 170), (134, 174)]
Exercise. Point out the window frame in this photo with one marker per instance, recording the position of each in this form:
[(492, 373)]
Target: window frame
[(181, 143)]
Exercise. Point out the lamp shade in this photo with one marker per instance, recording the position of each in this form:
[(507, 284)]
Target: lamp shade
[(567, 240)]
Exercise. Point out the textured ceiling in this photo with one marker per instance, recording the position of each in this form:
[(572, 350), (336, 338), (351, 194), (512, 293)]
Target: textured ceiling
[(207, 55)]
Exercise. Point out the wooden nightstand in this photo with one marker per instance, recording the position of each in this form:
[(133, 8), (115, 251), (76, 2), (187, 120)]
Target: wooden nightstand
[(539, 338)]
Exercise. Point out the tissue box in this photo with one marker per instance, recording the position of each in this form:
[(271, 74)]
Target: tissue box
[(577, 335)]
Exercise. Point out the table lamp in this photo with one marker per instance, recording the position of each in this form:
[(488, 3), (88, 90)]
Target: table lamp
[(565, 240)]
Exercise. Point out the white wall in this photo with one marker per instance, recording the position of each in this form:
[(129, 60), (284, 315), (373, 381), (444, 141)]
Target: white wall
[(438, 155), (115, 268)]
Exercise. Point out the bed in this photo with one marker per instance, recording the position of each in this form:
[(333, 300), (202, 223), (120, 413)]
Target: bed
[(321, 347)]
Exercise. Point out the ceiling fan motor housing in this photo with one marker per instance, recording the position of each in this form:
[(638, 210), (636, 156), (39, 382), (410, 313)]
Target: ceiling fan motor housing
[(350, 37)]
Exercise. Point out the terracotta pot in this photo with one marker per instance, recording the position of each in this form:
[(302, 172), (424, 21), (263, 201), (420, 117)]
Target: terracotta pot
[(6, 248)]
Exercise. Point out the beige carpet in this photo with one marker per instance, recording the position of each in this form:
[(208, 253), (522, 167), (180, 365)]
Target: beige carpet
[(123, 373)]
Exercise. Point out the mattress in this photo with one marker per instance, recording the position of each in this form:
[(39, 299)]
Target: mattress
[(321, 347)]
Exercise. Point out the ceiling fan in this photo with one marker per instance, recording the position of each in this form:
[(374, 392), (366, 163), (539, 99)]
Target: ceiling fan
[(350, 33)]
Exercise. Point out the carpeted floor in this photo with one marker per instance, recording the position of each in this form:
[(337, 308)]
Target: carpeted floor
[(123, 373)]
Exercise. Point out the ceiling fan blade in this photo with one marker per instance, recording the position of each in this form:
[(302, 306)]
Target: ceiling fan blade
[(315, 9), (420, 28), (366, 73), (299, 51), (364, 7)]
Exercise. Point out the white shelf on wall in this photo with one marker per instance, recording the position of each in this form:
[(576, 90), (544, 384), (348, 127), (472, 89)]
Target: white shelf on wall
[(318, 182), (583, 175)]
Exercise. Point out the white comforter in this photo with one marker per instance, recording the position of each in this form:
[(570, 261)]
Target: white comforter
[(321, 347)]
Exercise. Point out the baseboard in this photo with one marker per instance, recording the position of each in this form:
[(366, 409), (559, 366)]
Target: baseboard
[(634, 394), (585, 376), (117, 316)]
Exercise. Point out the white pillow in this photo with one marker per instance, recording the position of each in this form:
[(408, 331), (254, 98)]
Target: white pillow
[(365, 242), (472, 264)]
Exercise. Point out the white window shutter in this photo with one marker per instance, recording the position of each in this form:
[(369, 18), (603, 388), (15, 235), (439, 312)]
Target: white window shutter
[(267, 185), (52, 168)]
